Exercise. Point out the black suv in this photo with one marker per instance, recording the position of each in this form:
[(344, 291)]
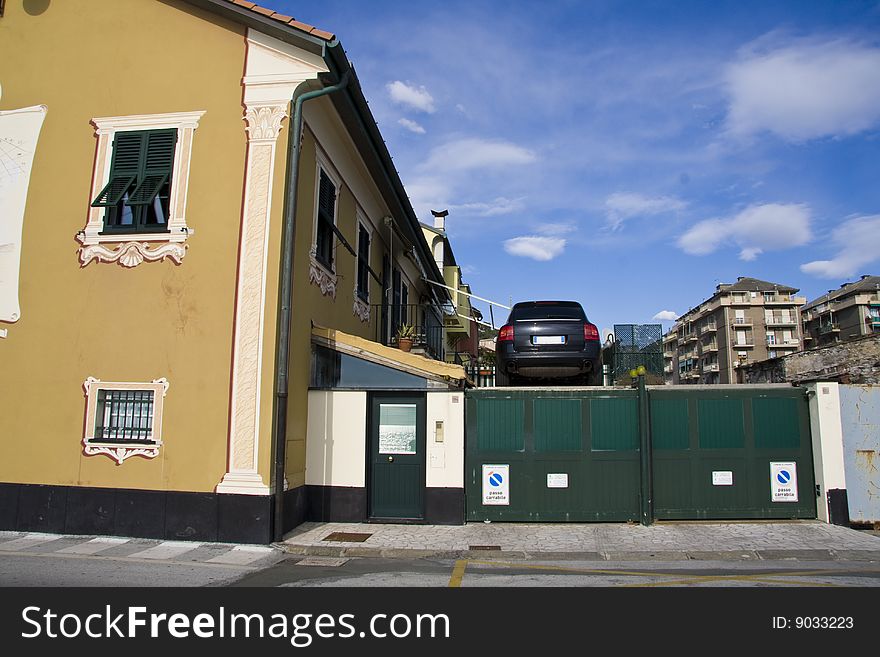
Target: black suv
[(548, 340)]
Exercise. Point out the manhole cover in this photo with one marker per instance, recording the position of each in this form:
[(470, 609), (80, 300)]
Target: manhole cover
[(347, 537), (485, 547)]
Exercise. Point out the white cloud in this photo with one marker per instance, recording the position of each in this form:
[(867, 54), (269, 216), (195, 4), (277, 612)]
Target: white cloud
[(858, 244), (625, 205), (497, 207), (470, 154), (666, 316), (758, 228), (412, 126), (535, 247), (413, 97), (804, 90)]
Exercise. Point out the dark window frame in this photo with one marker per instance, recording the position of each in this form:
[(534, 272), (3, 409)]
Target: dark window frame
[(124, 417), (363, 262), (327, 210), (141, 177)]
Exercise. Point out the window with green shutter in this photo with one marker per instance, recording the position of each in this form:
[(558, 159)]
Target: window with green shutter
[(326, 221), (137, 194)]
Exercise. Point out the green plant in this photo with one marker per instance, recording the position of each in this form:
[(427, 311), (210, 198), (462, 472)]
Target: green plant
[(406, 331)]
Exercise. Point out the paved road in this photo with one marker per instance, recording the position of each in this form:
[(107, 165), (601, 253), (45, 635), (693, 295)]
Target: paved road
[(375, 572)]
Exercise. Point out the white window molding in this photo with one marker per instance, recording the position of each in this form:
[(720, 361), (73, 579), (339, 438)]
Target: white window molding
[(119, 452), (319, 274), (130, 250)]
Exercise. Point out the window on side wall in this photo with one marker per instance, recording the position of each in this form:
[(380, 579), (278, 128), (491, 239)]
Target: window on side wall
[(123, 419), (363, 272), (326, 220)]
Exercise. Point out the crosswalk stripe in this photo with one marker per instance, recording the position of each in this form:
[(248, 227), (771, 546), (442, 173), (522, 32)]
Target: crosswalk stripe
[(28, 541), (94, 546), (241, 555), (165, 550)]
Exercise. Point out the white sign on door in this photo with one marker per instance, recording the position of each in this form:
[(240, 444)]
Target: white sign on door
[(557, 480), (783, 482), (722, 478), (496, 485)]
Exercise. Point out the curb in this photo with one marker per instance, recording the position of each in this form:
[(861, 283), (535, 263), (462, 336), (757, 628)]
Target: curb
[(633, 555)]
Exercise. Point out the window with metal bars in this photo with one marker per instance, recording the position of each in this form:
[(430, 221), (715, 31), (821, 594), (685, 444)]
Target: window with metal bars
[(124, 416), (326, 220), (138, 192), (363, 263)]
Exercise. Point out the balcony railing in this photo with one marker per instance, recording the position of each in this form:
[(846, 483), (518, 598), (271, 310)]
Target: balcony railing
[(708, 328), (426, 320), (784, 298), (824, 329), (776, 321), (741, 321), (713, 367)]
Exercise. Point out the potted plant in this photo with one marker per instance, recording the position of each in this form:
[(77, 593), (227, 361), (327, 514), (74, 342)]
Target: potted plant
[(405, 337)]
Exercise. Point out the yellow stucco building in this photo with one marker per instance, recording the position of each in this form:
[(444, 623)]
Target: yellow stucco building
[(175, 248)]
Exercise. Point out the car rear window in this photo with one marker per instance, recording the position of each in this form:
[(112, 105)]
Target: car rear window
[(548, 311)]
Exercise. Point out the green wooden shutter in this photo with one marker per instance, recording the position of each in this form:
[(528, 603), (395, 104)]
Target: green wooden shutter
[(158, 162), (124, 168)]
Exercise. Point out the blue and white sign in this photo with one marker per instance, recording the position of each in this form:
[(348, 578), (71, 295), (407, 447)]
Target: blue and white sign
[(783, 482), (496, 485)]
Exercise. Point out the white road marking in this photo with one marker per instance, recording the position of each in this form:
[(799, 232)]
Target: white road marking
[(94, 546), (165, 550), (27, 541), (241, 555)]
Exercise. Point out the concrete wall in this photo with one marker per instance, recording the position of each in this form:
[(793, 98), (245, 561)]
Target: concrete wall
[(860, 419), (856, 361)]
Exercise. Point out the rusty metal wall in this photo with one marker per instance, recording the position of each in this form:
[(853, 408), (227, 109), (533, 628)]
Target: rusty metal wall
[(860, 419)]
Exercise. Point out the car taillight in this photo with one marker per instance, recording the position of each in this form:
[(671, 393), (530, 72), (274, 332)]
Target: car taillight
[(506, 334), (591, 333)]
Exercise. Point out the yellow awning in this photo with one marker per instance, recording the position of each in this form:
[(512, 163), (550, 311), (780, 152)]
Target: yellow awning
[(389, 356)]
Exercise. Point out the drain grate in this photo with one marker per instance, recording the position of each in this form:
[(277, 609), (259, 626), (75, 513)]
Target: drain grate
[(485, 547), (326, 562), (347, 537)]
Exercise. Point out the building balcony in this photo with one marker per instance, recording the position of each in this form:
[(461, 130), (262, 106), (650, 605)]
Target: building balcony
[(784, 299), (825, 329), (708, 348), (748, 345), (708, 329), (783, 344), (781, 322), (742, 301), (690, 337), (742, 322), (713, 367), (668, 354), (428, 331)]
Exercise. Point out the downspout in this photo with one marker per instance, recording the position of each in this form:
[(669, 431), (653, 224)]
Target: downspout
[(282, 362)]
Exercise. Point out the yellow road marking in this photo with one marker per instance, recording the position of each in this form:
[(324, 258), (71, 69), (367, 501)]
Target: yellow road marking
[(457, 573)]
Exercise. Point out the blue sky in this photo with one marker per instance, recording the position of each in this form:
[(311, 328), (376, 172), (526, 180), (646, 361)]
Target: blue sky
[(630, 155)]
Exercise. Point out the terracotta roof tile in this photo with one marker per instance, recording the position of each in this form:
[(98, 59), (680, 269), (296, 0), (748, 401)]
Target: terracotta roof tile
[(281, 18)]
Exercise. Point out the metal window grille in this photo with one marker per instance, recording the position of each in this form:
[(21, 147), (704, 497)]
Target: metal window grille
[(124, 416)]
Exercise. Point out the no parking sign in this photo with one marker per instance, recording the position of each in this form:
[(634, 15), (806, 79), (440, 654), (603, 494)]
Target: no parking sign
[(783, 482), (496, 485)]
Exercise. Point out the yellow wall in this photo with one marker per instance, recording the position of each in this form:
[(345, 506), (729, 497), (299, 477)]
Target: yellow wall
[(309, 304), (115, 58)]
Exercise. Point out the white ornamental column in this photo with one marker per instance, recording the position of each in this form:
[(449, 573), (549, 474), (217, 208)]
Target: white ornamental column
[(273, 71), (263, 127)]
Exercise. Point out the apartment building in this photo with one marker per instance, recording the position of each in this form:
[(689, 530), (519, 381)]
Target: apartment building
[(849, 312), (742, 322)]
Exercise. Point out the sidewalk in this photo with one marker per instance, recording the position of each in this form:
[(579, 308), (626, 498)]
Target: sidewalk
[(663, 541)]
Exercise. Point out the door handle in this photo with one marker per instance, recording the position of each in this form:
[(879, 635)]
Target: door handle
[(391, 459)]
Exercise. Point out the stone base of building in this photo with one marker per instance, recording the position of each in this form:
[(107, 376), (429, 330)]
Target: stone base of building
[(168, 515), (443, 506)]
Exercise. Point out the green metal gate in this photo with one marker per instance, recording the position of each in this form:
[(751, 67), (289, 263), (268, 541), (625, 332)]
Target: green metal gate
[(574, 454)]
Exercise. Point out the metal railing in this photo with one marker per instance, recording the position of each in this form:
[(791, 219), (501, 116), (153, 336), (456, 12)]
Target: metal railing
[(426, 320)]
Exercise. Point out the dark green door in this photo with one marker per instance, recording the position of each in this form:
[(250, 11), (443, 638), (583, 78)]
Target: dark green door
[(397, 456)]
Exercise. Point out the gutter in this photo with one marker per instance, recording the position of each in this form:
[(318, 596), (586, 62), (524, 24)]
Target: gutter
[(288, 239)]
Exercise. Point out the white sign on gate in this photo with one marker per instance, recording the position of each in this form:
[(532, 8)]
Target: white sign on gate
[(496, 485), (783, 482)]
